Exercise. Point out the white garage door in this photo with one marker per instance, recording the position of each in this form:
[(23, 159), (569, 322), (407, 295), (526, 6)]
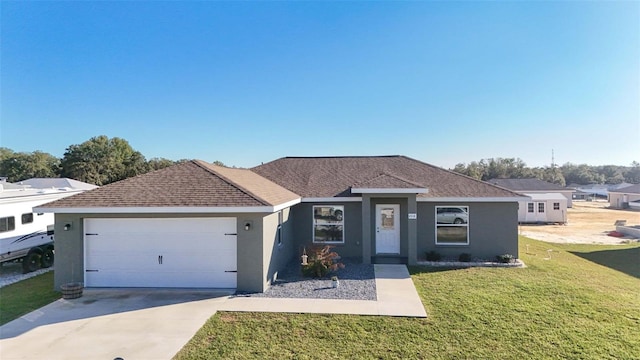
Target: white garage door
[(186, 252)]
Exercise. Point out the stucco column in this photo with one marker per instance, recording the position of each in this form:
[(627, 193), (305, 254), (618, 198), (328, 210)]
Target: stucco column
[(366, 229), (412, 230)]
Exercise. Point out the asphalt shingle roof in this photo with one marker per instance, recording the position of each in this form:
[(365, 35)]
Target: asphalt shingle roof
[(200, 184), (387, 181), (335, 176), (189, 184), (253, 184), (633, 189), (527, 185)]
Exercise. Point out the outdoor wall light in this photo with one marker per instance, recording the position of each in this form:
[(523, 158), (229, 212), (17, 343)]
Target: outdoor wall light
[(247, 225), (67, 226)]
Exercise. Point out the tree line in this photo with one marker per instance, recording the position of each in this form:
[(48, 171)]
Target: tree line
[(99, 161), (569, 173)]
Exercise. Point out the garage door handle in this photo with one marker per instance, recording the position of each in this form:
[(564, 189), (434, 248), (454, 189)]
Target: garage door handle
[(91, 270), (235, 271), (231, 234), (90, 234)]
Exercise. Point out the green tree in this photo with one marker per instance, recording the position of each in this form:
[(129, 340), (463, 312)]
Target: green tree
[(21, 166), (612, 174), (580, 174), (553, 175), (159, 163), (101, 161), (5, 153), (495, 168), (632, 175)]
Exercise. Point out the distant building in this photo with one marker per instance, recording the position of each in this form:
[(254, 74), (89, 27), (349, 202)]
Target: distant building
[(621, 197), (534, 186)]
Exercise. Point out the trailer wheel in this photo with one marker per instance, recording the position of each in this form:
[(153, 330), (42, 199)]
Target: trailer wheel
[(47, 258), (31, 262)]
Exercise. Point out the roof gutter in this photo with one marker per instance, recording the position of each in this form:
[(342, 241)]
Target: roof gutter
[(167, 209), (474, 199)]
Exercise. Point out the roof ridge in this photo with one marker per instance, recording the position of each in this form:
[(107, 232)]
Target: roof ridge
[(458, 174), (340, 157), (206, 166), (385, 173), (403, 179)]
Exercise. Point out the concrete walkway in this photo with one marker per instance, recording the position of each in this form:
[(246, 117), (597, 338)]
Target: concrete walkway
[(394, 289), (157, 323)]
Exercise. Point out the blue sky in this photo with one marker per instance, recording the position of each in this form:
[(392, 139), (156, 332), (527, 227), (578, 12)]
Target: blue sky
[(249, 82)]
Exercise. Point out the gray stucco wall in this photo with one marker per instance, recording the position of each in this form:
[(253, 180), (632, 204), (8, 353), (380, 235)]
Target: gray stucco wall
[(493, 230), (276, 256), (252, 276), (302, 228)]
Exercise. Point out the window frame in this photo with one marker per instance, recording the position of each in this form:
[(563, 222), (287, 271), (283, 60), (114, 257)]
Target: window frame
[(531, 208), (29, 217), (10, 223), (279, 228), (542, 206), (315, 223), (465, 225), (556, 206)]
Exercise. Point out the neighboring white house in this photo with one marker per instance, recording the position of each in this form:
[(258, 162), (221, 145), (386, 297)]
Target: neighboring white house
[(534, 186), (543, 208), (620, 198)]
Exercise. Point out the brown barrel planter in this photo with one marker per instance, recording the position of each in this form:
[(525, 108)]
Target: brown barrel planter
[(71, 290)]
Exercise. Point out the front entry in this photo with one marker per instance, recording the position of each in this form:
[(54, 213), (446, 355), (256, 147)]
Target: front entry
[(387, 229)]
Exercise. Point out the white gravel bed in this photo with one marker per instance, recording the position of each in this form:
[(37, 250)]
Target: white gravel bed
[(357, 282), (11, 273)]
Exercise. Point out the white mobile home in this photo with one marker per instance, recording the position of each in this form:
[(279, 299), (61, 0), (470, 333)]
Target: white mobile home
[(543, 208)]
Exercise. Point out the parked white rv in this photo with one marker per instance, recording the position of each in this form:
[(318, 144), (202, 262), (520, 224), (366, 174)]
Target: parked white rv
[(24, 235)]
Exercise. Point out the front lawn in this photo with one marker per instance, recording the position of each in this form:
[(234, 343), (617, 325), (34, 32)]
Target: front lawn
[(25, 296), (570, 306)]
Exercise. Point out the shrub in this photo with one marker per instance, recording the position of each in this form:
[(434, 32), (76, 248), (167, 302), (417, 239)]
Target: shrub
[(433, 256), (321, 261), (464, 257), (505, 258)]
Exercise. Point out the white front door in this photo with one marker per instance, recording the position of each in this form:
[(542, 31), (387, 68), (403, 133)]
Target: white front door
[(388, 229)]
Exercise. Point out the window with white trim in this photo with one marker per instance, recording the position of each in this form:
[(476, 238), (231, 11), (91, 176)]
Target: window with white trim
[(452, 225), (7, 224), (530, 207), (279, 230), (541, 207), (328, 224), (556, 206)]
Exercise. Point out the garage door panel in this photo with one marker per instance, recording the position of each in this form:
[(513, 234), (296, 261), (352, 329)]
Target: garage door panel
[(195, 252), (130, 262), (186, 279)]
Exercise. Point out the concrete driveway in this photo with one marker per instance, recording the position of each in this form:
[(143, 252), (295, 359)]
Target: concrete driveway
[(136, 324), (106, 324)]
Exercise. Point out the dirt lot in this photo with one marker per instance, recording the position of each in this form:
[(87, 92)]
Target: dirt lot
[(588, 223)]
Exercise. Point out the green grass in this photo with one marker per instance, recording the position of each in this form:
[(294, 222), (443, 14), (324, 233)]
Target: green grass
[(621, 258), (568, 307), (25, 296)]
